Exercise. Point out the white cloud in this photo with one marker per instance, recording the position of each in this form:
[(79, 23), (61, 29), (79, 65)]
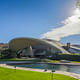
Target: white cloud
[(71, 27)]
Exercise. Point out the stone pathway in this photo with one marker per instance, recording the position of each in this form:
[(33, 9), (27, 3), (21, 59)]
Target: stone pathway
[(77, 76)]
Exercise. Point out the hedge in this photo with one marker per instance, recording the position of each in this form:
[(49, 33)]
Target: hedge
[(68, 57)]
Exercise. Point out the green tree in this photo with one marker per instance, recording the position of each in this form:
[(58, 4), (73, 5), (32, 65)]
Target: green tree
[(8, 53)]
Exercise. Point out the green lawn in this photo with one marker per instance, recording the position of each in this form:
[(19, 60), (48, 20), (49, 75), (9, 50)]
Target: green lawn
[(33, 60), (75, 61), (11, 74), (36, 60), (15, 59)]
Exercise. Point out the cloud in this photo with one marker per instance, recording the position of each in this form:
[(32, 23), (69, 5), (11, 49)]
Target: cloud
[(71, 27)]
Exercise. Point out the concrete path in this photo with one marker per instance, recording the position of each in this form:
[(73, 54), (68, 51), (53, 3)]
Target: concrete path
[(77, 76)]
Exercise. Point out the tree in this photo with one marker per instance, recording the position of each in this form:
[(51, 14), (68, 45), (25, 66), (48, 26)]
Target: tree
[(8, 53)]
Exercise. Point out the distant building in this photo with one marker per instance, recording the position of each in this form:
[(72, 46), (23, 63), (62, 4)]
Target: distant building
[(72, 49), (3, 46)]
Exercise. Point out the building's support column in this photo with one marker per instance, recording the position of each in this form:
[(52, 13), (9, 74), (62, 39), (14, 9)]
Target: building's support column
[(49, 51), (24, 52), (29, 51)]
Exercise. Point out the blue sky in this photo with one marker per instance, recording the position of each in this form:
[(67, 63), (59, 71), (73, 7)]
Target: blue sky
[(32, 18)]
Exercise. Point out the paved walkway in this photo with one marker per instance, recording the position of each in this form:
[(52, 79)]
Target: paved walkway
[(40, 70)]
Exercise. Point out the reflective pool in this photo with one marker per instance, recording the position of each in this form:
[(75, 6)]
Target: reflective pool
[(68, 68)]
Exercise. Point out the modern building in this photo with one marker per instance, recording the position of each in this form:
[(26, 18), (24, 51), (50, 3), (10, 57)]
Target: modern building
[(31, 47), (36, 47)]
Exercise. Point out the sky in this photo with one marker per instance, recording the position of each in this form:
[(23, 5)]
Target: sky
[(52, 19)]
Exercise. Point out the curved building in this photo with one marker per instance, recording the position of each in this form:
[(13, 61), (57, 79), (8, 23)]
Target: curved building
[(36, 47)]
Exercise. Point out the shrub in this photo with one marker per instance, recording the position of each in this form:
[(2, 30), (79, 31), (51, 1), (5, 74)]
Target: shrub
[(8, 53), (68, 57)]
